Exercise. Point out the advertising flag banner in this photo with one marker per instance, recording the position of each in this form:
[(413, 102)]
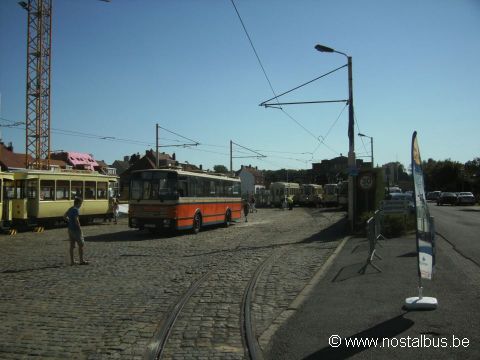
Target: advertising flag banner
[(425, 237)]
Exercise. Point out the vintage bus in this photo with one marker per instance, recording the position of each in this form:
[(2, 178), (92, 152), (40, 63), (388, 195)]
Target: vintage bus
[(175, 199), (281, 191), (41, 197), (310, 195), (330, 196)]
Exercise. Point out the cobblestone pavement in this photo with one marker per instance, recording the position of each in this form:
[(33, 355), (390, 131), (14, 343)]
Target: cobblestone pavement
[(111, 308)]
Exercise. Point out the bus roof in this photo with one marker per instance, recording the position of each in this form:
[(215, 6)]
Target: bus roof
[(191, 173)]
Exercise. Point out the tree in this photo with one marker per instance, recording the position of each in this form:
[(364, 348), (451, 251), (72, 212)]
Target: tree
[(221, 169)]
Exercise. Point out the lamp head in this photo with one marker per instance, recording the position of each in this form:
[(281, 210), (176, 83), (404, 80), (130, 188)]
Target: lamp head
[(322, 48)]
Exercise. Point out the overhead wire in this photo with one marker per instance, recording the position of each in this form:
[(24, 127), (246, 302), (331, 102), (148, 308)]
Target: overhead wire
[(266, 76)]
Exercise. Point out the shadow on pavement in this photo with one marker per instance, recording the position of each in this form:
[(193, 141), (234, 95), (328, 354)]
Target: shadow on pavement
[(333, 233), (387, 329), (352, 271), (128, 235), (409, 254)]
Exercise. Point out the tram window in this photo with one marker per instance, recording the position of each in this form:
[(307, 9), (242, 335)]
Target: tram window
[(8, 190), (63, 190), (77, 189), (90, 190), (102, 190), (219, 188), (32, 189), (47, 189)]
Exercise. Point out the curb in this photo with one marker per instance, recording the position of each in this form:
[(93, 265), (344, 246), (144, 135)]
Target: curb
[(268, 334)]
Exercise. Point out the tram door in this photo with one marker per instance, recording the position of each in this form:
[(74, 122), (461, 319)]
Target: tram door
[(8, 191), (32, 198)]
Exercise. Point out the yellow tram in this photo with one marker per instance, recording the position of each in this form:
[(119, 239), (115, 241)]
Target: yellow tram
[(41, 197)]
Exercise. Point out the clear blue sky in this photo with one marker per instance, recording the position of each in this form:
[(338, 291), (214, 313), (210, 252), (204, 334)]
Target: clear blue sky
[(118, 68)]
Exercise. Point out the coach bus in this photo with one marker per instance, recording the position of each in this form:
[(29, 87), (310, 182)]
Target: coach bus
[(177, 200), (41, 197), (281, 191), (310, 195)]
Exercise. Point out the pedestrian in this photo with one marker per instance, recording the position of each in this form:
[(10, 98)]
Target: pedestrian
[(116, 208), (72, 216), (252, 204), (290, 203), (246, 209)]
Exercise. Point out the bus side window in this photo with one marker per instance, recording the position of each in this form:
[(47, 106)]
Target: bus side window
[(192, 186), (182, 187)]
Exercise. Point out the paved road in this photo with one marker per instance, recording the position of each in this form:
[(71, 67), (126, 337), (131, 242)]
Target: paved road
[(112, 308), (369, 307), (460, 226)]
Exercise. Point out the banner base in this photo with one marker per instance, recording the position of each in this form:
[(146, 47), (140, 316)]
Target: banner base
[(421, 303)]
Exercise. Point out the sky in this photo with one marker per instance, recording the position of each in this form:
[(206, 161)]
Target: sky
[(119, 68)]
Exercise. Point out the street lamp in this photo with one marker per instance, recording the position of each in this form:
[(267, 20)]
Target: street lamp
[(352, 169), (371, 146)]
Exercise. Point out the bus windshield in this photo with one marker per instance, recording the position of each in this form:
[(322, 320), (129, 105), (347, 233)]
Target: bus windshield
[(153, 185)]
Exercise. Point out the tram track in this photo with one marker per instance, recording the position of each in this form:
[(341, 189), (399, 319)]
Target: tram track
[(245, 265), (156, 348)]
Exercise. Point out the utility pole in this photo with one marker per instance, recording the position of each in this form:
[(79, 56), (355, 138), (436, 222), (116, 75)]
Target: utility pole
[(231, 157), (157, 162)]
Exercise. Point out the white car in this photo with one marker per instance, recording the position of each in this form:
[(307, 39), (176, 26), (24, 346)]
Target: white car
[(465, 198)]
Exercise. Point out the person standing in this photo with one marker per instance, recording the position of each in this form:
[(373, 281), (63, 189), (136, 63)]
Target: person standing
[(75, 235), (252, 204), (116, 208), (246, 209)]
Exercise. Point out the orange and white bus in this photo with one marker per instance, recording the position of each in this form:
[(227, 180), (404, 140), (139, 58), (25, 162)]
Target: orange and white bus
[(178, 200)]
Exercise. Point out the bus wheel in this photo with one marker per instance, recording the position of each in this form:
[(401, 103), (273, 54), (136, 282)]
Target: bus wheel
[(197, 223), (228, 219)]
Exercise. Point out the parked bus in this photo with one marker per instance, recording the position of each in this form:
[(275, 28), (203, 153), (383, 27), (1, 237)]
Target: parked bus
[(176, 199), (330, 196), (281, 191), (41, 197), (310, 195)]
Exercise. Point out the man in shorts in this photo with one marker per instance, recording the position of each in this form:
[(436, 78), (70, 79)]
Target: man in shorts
[(72, 216)]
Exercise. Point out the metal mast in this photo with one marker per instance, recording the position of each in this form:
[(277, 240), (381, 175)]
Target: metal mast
[(37, 154)]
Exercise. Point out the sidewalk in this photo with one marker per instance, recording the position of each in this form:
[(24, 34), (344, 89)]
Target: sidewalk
[(355, 306)]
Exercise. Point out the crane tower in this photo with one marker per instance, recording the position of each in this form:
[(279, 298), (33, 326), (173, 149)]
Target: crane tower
[(37, 154)]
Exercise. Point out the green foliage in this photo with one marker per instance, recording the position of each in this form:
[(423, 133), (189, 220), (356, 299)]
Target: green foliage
[(397, 225), (221, 169)]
